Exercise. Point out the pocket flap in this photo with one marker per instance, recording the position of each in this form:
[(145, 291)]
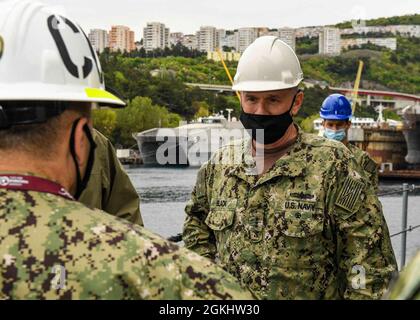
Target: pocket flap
[(219, 219)]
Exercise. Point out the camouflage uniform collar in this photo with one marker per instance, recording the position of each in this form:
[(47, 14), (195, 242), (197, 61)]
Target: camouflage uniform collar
[(290, 165)]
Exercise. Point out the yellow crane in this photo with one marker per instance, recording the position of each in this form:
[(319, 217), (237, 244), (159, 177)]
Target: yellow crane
[(356, 86), (219, 53)]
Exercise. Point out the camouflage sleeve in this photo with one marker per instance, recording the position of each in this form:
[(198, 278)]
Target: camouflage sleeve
[(371, 167), (197, 279), (158, 269), (197, 235), (109, 187), (407, 287), (364, 253)]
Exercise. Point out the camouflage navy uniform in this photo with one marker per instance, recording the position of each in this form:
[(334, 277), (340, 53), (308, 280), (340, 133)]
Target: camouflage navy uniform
[(55, 248), (367, 163), (109, 187), (303, 230), (407, 286)]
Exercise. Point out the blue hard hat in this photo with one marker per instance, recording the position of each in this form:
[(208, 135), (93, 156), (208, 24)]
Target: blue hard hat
[(336, 107)]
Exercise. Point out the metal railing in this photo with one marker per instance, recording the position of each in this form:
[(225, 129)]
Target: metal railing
[(405, 190)]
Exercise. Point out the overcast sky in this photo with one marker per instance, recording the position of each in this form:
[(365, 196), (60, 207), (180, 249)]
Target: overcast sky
[(188, 15)]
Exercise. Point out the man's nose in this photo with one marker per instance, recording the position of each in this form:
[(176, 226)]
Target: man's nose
[(261, 107)]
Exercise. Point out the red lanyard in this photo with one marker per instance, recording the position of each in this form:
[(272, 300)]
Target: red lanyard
[(30, 183)]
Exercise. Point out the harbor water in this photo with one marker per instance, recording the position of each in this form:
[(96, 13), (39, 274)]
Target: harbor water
[(165, 191)]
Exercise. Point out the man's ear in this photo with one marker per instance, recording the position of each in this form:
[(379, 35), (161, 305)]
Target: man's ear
[(81, 142), (298, 103)]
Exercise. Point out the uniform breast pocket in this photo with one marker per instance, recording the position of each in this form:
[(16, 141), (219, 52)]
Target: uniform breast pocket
[(300, 239), (301, 224), (220, 219)]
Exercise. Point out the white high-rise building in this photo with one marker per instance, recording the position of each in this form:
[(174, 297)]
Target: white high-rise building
[(288, 35), (189, 41), (155, 36), (230, 40), (330, 41), (175, 38), (207, 39), (245, 37), (99, 39), (220, 35)]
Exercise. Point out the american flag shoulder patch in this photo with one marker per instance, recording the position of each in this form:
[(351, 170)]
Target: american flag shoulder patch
[(349, 194)]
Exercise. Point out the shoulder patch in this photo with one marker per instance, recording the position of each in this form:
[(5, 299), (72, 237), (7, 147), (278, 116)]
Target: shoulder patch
[(349, 194), (370, 165)]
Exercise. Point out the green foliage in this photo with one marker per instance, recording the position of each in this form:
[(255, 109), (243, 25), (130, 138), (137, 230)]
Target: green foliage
[(178, 50), (368, 35), (399, 70), (141, 114), (163, 80), (307, 124), (397, 20), (202, 109), (105, 120), (312, 102), (391, 114), (367, 46), (307, 45), (365, 112)]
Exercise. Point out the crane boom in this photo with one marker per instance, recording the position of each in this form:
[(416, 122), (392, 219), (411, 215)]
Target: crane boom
[(356, 86), (227, 71)]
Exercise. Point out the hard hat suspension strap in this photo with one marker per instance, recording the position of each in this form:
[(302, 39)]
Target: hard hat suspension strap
[(13, 113)]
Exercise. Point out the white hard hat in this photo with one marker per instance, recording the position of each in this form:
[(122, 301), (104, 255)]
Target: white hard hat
[(268, 64), (47, 57)]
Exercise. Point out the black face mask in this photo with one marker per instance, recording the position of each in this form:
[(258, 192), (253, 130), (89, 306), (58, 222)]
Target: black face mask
[(274, 126), (82, 182)]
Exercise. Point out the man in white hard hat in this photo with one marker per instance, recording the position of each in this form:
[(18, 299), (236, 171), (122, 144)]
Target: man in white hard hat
[(51, 246), (305, 224)]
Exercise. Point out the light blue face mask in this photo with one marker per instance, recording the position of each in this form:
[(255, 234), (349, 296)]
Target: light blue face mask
[(338, 135)]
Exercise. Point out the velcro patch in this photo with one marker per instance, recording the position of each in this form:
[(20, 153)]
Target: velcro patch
[(349, 194), (299, 205), (370, 166)]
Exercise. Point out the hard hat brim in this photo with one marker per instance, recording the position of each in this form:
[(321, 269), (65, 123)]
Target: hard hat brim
[(335, 117), (45, 92), (260, 86)]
